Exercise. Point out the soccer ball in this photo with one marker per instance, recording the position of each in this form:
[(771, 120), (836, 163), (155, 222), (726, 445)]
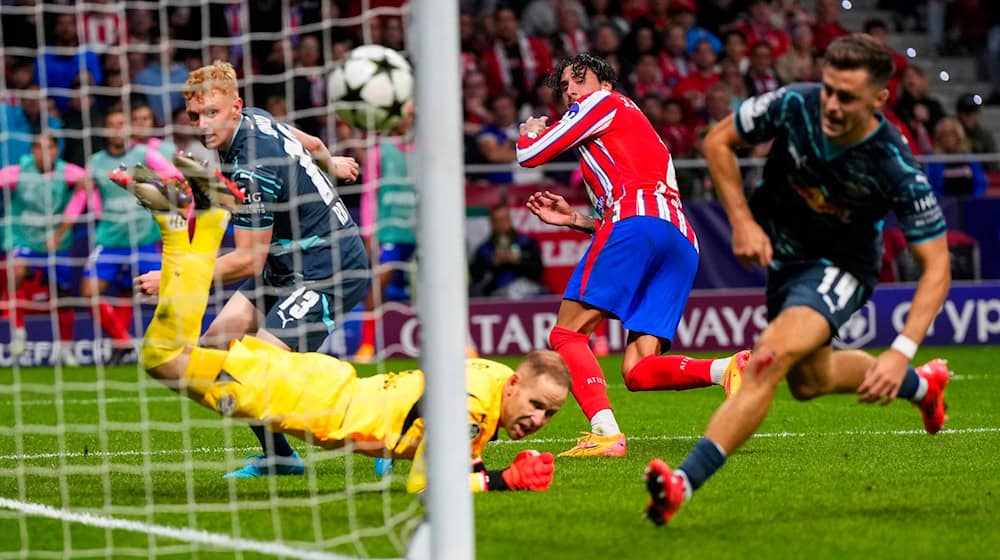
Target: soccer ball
[(371, 88)]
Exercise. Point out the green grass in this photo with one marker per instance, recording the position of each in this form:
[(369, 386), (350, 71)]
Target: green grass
[(826, 479)]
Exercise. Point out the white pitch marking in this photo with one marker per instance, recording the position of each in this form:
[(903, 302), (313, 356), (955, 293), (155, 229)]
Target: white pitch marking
[(187, 534), (109, 400), (209, 450)]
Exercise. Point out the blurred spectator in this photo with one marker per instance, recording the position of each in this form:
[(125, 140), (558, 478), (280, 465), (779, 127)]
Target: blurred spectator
[(877, 29), (734, 48), (676, 130), (541, 17), (992, 55), (187, 138), (161, 80), (141, 27), (761, 76), (19, 30), (83, 113), (655, 15), (607, 41), (23, 122), (508, 264), (606, 12), (798, 64), (917, 109), (569, 39), (56, 67), (497, 140), (905, 10), (102, 28), (144, 124), (277, 105), (279, 58), (674, 63), (515, 60), (730, 75), (647, 79), (472, 42), (393, 34), (640, 41), (543, 103), (827, 26), (957, 178), (475, 115), (718, 16), (692, 88), (682, 14), (981, 141), (761, 26), (652, 107), (309, 86), (718, 104), (20, 75)]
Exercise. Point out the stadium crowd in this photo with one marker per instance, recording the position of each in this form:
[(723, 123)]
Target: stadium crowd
[(687, 64)]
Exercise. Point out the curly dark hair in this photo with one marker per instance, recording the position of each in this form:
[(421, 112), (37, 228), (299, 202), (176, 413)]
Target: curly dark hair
[(579, 65)]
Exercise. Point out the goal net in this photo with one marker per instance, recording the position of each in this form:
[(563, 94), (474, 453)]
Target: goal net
[(98, 460)]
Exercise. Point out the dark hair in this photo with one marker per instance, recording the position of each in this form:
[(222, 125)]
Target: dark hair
[(861, 51), (874, 23), (579, 65)]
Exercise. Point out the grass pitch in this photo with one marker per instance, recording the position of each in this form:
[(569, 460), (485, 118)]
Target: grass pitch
[(825, 479)]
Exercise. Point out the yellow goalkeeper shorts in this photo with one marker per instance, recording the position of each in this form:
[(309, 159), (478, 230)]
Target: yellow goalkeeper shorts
[(301, 394)]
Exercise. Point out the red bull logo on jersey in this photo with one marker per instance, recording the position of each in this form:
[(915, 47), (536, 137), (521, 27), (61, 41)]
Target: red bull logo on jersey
[(816, 200)]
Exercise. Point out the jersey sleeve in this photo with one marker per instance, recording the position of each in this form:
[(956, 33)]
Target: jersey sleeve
[(913, 201), (72, 173), (585, 120), (417, 479), (260, 189), (9, 175), (760, 118)]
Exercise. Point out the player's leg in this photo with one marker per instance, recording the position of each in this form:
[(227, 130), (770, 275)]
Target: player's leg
[(238, 317), (667, 269), (843, 371), (19, 272), (571, 339), (96, 281), (797, 332), (185, 282), (65, 314)]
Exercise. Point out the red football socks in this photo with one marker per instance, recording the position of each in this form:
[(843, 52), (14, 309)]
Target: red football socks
[(669, 373), (589, 387)]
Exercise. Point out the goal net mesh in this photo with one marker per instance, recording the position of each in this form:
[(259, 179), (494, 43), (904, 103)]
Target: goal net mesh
[(99, 460)]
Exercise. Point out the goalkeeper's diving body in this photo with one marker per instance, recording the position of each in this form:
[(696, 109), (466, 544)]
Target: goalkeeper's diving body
[(313, 396)]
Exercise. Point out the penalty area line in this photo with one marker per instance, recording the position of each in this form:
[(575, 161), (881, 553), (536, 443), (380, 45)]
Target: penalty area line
[(959, 431), (186, 534)]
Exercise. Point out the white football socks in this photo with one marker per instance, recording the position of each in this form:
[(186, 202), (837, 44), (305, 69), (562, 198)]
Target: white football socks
[(604, 424), (718, 369)]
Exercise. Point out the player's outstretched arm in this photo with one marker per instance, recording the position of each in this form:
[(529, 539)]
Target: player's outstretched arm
[(882, 381), (750, 244), (343, 168)]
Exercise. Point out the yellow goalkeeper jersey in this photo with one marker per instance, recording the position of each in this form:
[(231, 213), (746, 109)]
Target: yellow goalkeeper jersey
[(321, 399)]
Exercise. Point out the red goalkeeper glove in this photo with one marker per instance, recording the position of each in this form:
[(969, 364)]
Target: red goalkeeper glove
[(530, 470)]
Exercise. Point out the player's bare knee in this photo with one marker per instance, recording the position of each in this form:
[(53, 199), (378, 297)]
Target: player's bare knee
[(806, 385)]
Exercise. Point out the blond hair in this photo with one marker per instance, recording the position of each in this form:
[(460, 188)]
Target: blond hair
[(220, 76)]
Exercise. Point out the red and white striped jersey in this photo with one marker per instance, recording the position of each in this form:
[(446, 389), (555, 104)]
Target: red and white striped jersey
[(627, 168)]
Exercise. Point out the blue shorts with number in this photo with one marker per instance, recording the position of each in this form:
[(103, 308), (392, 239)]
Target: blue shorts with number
[(820, 285), (61, 266), (302, 316), (639, 270), (396, 254), (119, 265)]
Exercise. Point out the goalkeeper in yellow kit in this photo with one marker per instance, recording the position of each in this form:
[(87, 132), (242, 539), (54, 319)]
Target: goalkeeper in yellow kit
[(313, 396)]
